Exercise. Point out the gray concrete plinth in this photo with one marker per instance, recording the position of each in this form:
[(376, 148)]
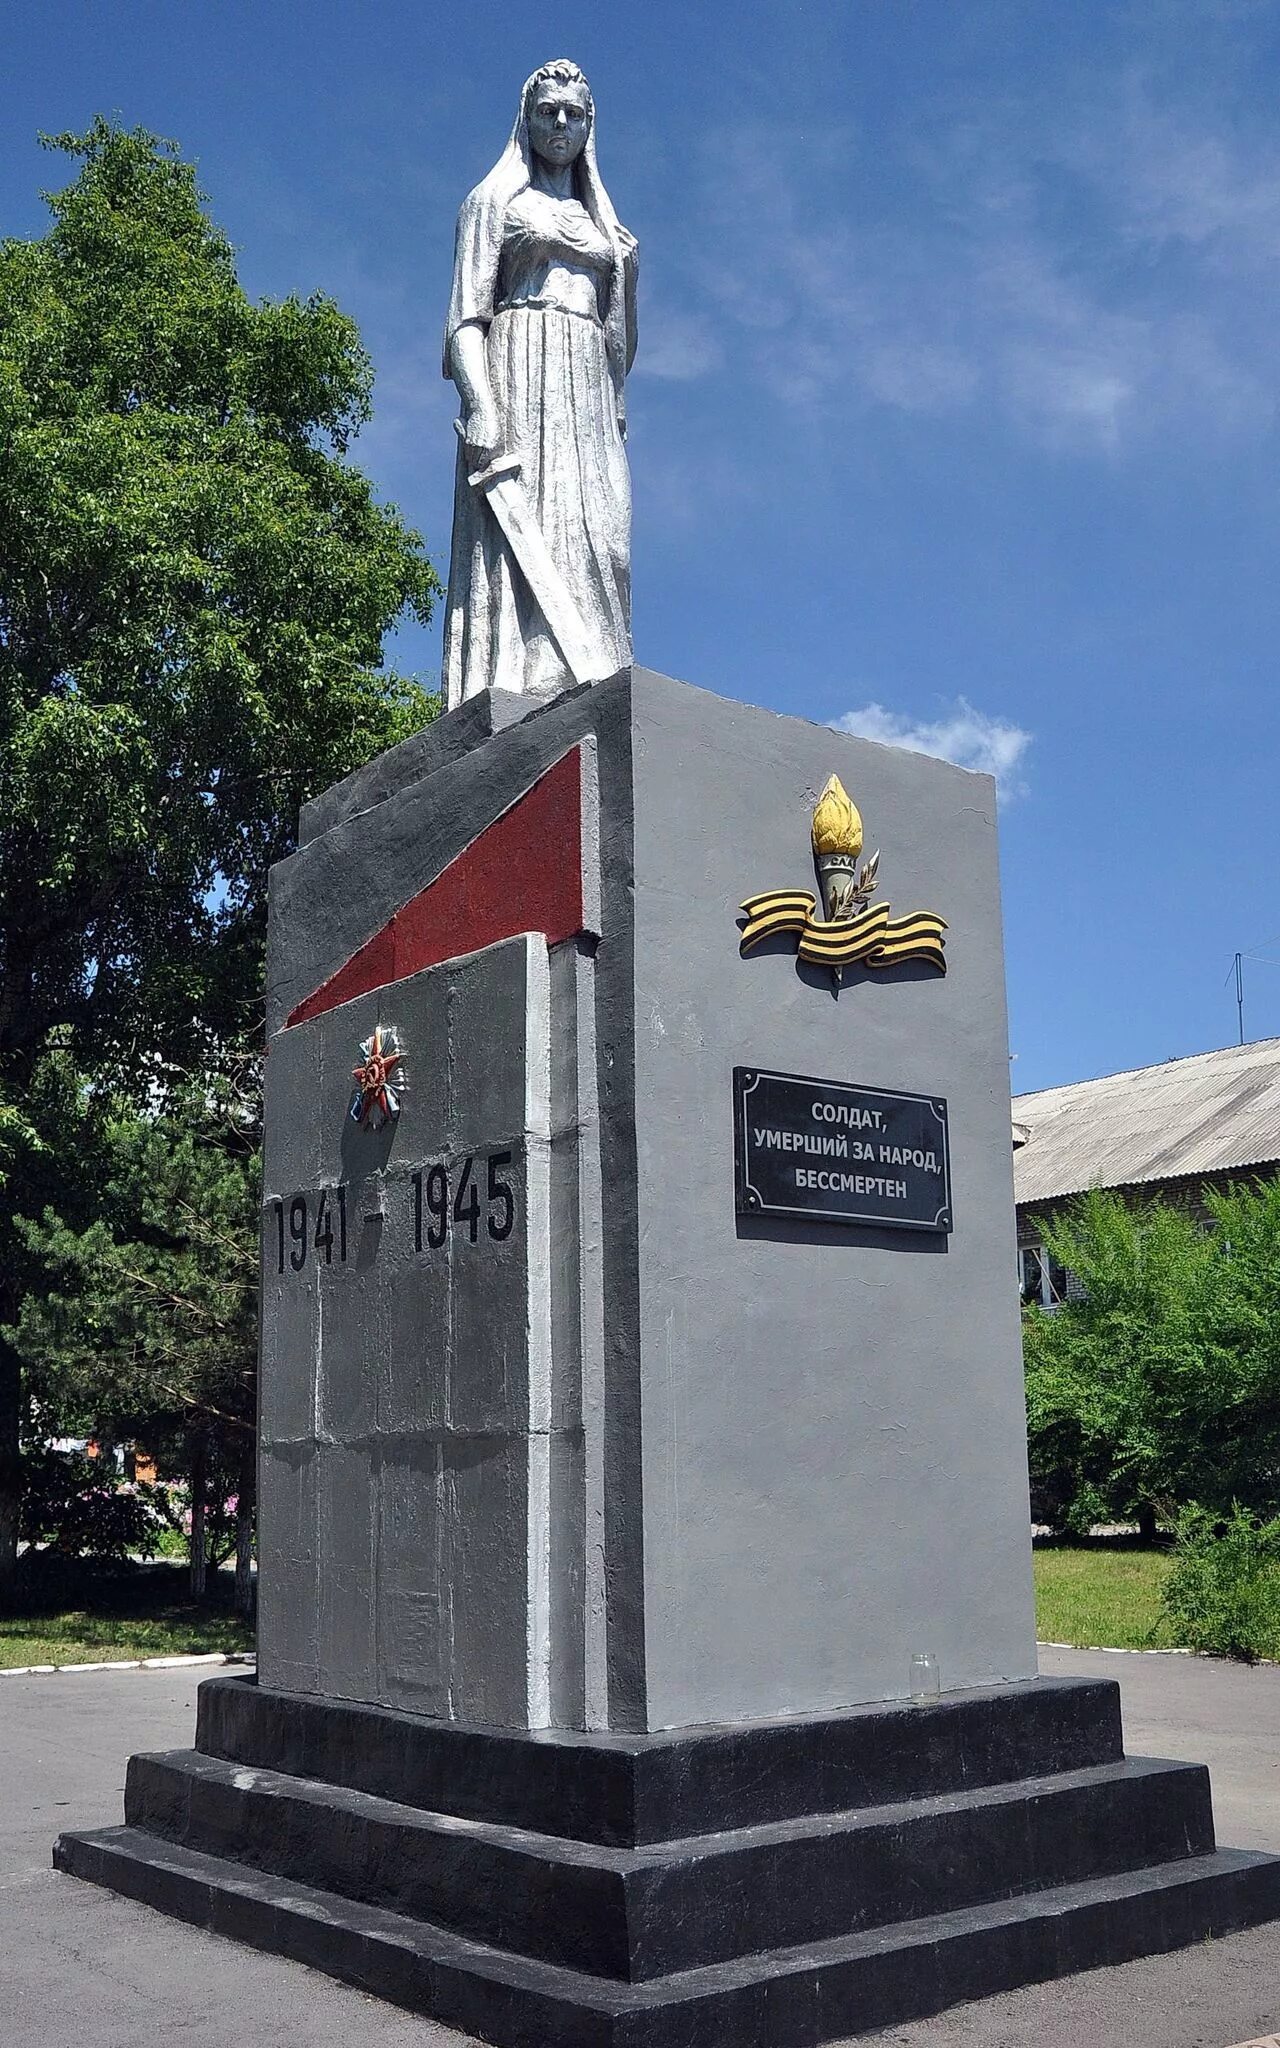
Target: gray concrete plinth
[(644, 1463)]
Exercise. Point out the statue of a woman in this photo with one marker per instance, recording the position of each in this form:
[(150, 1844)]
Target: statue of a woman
[(540, 336)]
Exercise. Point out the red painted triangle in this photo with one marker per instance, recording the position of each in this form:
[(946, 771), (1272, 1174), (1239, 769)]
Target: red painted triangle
[(523, 874)]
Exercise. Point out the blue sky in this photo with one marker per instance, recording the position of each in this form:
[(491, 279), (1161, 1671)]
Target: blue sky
[(955, 415)]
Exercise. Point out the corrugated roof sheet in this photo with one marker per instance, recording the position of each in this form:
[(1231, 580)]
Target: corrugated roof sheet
[(1206, 1114)]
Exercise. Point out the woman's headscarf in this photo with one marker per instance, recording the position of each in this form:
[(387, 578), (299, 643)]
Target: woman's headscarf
[(478, 241)]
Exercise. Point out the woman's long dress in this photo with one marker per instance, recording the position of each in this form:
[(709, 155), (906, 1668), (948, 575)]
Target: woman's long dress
[(559, 411)]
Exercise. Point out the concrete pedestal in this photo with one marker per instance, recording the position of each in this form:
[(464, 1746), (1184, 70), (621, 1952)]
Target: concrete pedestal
[(601, 1516), (646, 1462)]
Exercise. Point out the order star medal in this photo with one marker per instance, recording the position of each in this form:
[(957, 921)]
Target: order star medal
[(376, 1100)]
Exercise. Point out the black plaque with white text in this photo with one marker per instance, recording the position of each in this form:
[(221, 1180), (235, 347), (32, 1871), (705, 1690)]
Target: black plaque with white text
[(836, 1153)]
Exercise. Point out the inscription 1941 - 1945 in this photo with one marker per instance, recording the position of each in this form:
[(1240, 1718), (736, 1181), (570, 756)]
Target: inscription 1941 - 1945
[(465, 1200), (835, 1153)]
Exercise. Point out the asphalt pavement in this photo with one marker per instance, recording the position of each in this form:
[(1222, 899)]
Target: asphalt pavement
[(80, 1968)]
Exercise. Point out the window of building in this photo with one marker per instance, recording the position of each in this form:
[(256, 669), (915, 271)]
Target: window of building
[(1030, 1275), (1043, 1281)]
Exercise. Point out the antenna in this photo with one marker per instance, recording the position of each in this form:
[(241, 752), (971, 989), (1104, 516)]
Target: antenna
[(1237, 968)]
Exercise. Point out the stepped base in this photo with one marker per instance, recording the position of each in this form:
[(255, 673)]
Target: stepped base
[(789, 1996), (756, 1887)]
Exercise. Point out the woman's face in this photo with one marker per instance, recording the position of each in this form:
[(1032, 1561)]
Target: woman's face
[(558, 121)]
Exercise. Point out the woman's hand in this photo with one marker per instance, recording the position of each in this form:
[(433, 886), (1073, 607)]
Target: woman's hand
[(482, 435)]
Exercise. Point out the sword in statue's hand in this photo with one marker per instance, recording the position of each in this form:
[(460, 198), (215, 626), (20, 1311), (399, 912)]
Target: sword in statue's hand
[(499, 484)]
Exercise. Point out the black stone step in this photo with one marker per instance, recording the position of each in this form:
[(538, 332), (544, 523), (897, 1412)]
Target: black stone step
[(636, 1914), (819, 1992), (631, 1789)]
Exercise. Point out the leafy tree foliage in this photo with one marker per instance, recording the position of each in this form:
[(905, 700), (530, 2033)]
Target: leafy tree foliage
[(74, 1508), (146, 1329), (194, 587), (1159, 1385), (1237, 1450), (195, 582), (153, 1305), (1222, 1594)]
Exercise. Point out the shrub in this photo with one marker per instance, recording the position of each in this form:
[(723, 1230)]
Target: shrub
[(1120, 1377), (219, 1528), (76, 1506), (1222, 1594)]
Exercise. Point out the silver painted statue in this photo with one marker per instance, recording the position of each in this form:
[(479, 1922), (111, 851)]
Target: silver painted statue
[(540, 336)]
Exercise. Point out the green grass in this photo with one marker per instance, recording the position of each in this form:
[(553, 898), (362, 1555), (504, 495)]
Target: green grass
[(82, 1614), (1101, 1595)]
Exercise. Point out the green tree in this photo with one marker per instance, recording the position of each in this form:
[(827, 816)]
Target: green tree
[(147, 1327), (1237, 1452), (1119, 1379), (1160, 1385), (195, 584)]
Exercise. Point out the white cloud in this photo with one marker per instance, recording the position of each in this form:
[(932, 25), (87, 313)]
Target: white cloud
[(677, 347), (1176, 179), (918, 375), (970, 738), (683, 487), (1095, 272)]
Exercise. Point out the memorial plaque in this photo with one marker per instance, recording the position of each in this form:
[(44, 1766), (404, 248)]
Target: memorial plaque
[(838, 1153)]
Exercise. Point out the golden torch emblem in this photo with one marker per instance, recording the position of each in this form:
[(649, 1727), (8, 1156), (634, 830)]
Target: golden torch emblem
[(856, 930)]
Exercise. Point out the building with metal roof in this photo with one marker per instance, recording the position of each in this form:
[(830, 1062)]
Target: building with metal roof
[(1167, 1130)]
